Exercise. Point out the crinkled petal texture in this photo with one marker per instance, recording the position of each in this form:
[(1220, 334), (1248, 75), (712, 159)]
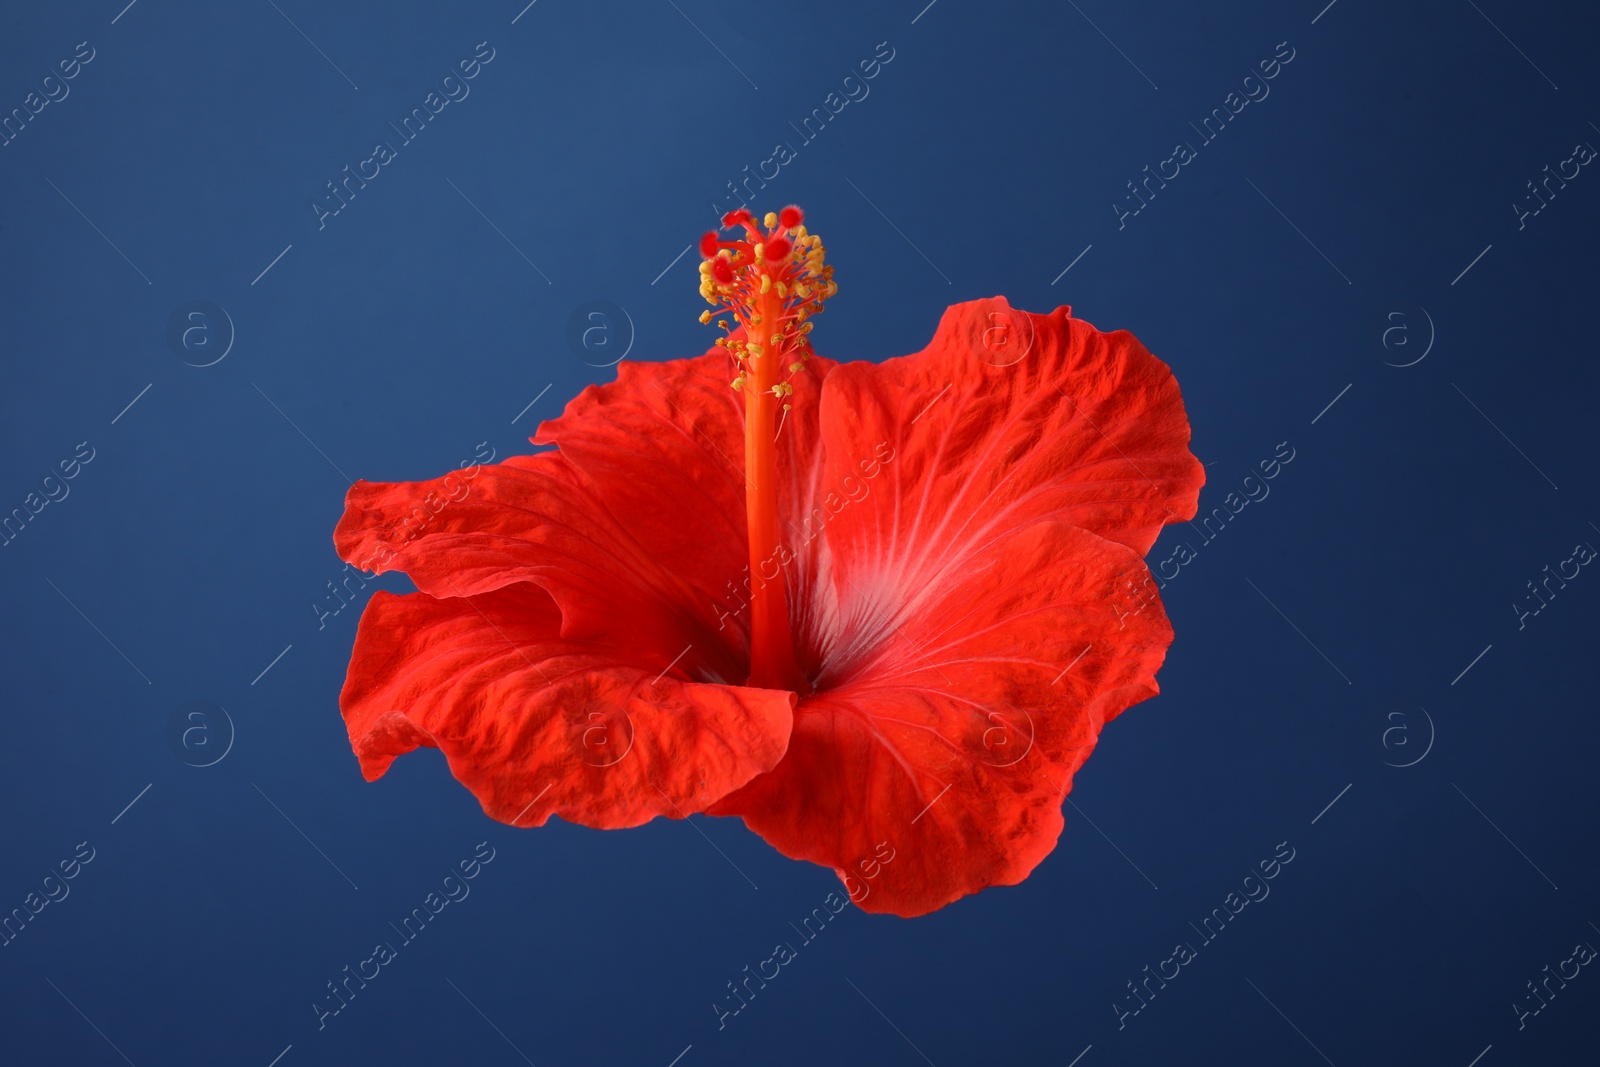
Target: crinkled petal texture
[(537, 725), (567, 645), (990, 608), (635, 526), (964, 540)]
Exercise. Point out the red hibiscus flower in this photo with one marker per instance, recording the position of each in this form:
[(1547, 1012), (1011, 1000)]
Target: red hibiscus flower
[(881, 612)]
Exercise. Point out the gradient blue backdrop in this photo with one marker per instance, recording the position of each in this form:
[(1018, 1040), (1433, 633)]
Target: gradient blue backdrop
[(180, 164)]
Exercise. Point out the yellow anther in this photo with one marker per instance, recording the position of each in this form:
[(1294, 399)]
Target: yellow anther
[(791, 290)]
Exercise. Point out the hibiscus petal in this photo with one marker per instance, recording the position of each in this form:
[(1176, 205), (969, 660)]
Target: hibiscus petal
[(636, 526), (538, 519), (950, 740), (663, 449), (810, 482), (1008, 417), (536, 725)]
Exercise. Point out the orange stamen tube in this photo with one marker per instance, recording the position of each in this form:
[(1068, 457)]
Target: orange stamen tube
[(771, 281)]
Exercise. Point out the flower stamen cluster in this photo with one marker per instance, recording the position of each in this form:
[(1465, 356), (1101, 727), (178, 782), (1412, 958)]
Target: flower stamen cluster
[(770, 281)]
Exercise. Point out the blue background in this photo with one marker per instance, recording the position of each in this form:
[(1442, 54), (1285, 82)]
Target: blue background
[(1321, 637)]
